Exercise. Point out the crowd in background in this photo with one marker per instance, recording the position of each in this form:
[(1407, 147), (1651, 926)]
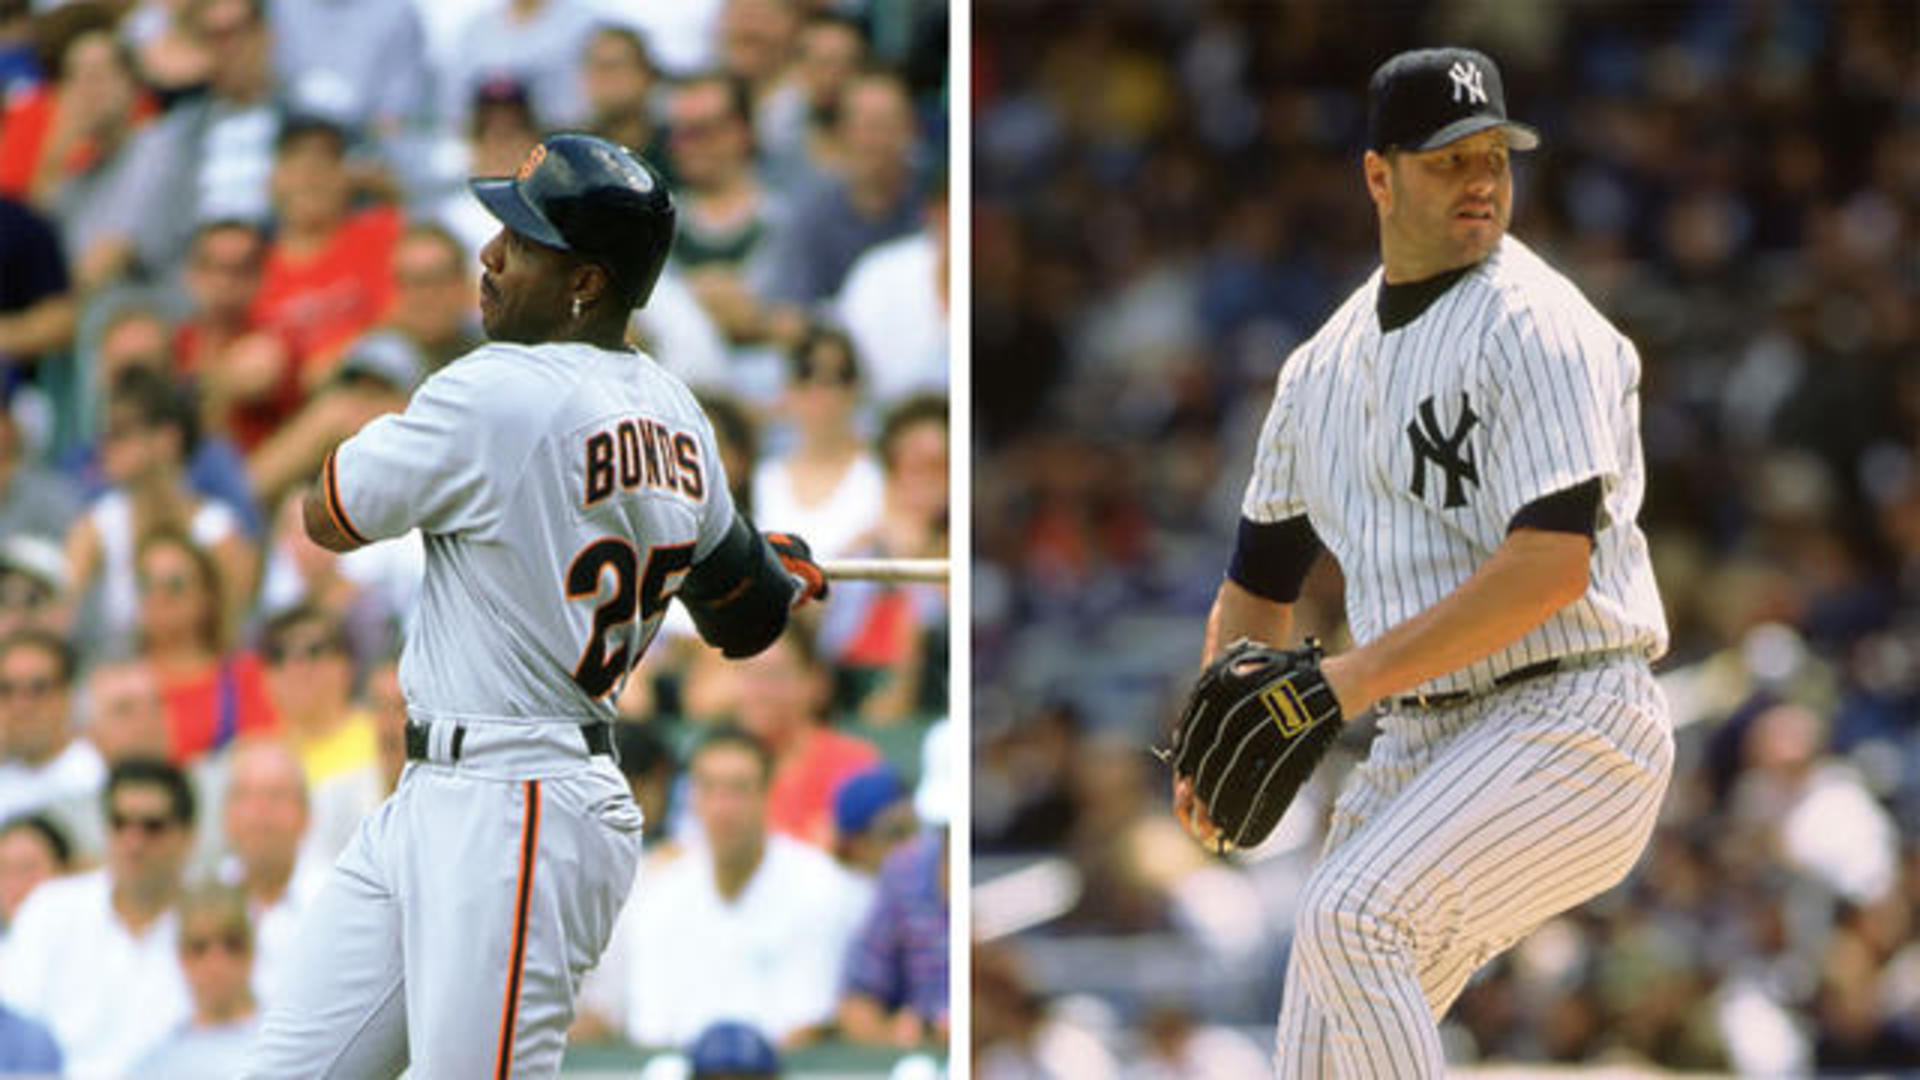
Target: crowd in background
[(1167, 200), (232, 232)]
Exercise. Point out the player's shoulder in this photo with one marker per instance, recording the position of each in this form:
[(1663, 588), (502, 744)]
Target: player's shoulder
[(1323, 350), (1527, 289)]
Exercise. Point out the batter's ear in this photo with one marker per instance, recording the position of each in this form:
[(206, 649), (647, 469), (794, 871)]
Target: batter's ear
[(590, 282)]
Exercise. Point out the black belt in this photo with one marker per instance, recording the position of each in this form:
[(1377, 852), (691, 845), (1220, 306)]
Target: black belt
[(1449, 698), (599, 736)]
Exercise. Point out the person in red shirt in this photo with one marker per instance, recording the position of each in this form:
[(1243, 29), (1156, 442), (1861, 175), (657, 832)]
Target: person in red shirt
[(783, 694), (248, 377), (329, 271), (212, 693)]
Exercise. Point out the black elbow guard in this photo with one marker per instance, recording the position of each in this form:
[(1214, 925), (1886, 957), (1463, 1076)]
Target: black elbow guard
[(740, 594)]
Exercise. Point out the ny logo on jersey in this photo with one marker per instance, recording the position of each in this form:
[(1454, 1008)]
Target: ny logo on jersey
[(1447, 450), (1466, 82)]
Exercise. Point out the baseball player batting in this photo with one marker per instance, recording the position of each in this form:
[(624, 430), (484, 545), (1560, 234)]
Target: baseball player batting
[(1462, 436), (568, 488)]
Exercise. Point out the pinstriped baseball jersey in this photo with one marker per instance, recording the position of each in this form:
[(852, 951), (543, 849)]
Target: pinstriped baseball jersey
[(554, 542), (1410, 451)]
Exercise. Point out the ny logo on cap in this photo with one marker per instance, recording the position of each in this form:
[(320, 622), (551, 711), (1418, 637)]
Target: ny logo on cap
[(1466, 82)]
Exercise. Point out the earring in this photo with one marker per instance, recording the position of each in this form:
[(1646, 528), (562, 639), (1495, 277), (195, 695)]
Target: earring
[(576, 307)]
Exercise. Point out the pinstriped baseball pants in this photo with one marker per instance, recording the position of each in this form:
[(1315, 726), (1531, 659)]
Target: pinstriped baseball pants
[(1464, 830)]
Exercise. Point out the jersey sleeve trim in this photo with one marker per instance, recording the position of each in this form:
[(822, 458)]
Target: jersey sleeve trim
[(336, 509)]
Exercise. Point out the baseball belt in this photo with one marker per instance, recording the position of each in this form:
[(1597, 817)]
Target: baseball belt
[(1448, 699), (599, 737)]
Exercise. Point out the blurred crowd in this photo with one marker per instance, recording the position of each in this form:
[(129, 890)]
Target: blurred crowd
[(234, 231), (1167, 200)]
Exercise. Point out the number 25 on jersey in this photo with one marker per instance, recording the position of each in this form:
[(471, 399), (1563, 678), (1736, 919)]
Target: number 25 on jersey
[(617, 642)]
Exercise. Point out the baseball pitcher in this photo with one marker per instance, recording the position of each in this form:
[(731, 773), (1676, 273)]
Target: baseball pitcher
[(1463, 437)]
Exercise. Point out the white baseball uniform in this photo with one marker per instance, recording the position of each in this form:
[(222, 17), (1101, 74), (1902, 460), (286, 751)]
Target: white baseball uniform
[(1478, 815), (563, 491)]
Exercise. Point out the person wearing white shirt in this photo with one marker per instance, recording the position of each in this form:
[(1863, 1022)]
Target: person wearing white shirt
[(829, 488), (745, 927), (266, 815), (44, 762), (894, 306), (93, 956), (216, 948)]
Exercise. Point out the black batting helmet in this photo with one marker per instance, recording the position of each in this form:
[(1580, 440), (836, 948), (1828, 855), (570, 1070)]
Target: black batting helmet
[(584, 194)]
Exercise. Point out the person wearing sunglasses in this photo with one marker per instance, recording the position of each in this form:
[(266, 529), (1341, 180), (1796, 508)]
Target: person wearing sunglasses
[(216, 950), (44, 763), (94, 955)]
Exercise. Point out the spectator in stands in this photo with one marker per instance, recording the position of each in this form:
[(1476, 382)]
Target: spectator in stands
[(217, 946), (247, 375), (749, 909), (44, 763), (758, 43), (832, 51), (127, 716), (727, 215), (33, 850), (829, 487), (896, 975), (33, 585), (136, 333), (94, 955), (534, 42), (500, 132), (152, 431), (217, 151), (875, 199), (894, 304), (618, 79), (171, 59), (890, 640), (34, 501), (872, 817), (434, 295), (266, 815), (37, 308), (89, 172), (213, 692), (783, 695), (17, 62), (1178, 1044), (310, 675), (362, 62), (33, 108), (730, 1050), (328, 275)]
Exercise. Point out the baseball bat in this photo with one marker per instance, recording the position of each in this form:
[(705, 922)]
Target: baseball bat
[(886, 570)]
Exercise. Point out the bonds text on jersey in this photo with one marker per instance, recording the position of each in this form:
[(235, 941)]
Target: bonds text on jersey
[(635, 452)]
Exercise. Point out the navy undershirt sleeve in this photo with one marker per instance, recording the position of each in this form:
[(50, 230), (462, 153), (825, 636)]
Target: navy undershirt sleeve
[(1570, 510), (1271, 559)]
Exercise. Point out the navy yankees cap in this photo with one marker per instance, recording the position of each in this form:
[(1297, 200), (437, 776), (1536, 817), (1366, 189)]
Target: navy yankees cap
[(1428, 98)]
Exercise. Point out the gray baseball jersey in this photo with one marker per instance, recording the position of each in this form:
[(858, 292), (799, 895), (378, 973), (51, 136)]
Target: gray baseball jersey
[(1410, 452), (563, 492)]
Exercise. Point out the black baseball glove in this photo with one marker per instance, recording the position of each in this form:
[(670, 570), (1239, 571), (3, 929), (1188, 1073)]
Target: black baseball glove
[(1257, 723)]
